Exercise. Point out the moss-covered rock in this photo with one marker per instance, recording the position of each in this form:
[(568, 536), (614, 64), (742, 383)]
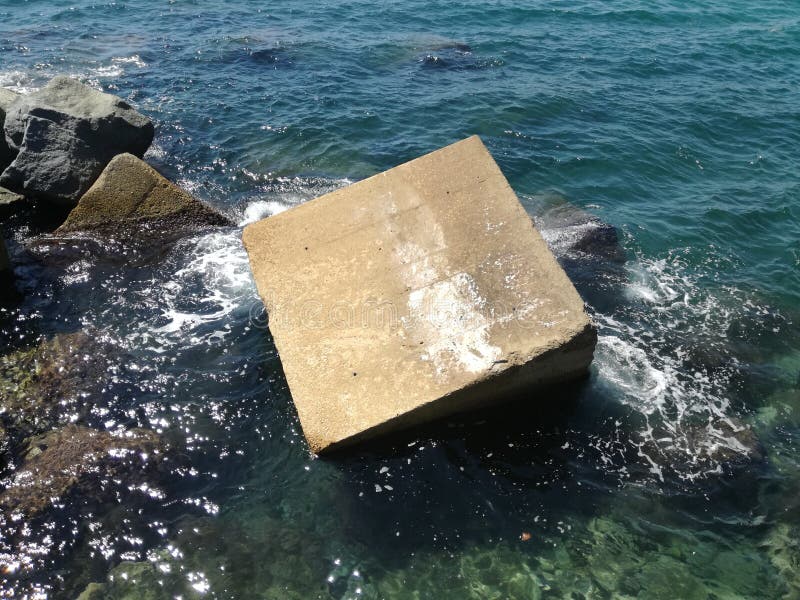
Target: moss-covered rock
[(131, 200), (41, 385), (72, 458)]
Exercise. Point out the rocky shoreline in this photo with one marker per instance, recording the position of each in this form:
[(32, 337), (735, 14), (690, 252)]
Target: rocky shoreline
[(71, 150), (70, 147)]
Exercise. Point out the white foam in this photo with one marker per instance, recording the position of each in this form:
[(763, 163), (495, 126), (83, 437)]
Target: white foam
[(203, 296), (19, 81), (134, 60), (108, 71), (261, 209), (643, 356)]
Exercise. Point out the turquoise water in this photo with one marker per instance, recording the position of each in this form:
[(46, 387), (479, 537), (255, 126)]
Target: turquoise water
[(679, 124)]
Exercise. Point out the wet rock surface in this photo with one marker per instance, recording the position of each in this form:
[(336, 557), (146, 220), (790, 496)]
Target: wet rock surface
[(132, 201), (570, 230), (65, 134), (7, 153), (588, 249)]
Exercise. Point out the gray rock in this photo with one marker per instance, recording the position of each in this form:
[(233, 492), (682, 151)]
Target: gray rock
[(66, 133), (7, 154), (571, 231)]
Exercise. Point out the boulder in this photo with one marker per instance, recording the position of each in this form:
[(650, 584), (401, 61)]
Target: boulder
[(417, 293), (65, 135), (7, 153), (571, 231), (132, 200)]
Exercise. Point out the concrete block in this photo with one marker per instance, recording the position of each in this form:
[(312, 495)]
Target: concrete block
[(414, 294)]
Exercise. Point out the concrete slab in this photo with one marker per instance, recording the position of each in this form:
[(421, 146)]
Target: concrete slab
[(417, 293)]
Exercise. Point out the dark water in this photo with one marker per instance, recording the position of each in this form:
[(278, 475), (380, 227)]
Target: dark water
[(673, 472)]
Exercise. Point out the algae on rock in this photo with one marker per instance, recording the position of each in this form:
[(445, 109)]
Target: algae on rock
[(39, 384), (131, 200), (72, 457)]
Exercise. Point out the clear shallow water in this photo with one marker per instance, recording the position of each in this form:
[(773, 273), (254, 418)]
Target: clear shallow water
[(677, 124)]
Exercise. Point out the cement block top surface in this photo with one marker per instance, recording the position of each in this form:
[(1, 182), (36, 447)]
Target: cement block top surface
[(405, 288)]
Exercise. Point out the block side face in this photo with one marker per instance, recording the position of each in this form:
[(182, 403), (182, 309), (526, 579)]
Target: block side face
[(404, 288), (565, 363)]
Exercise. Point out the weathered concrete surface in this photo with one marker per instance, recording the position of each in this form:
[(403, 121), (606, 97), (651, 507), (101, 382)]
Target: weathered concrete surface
[(65, 134), (414, 294), (130, 199)]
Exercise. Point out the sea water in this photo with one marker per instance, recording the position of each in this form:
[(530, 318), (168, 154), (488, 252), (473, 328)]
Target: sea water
[(676, 122)]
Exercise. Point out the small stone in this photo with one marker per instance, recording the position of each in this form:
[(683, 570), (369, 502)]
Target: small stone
[(130, 199), (94, 591), (8, 199)]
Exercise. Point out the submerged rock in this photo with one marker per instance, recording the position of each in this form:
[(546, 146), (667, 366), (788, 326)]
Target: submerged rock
[(7, 153), (38, 384), (65, 459), (65, 134), (131, 200), (570, 230), (725, 442), (431, 272), (782, 545), (588, 248), (268, 558)]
